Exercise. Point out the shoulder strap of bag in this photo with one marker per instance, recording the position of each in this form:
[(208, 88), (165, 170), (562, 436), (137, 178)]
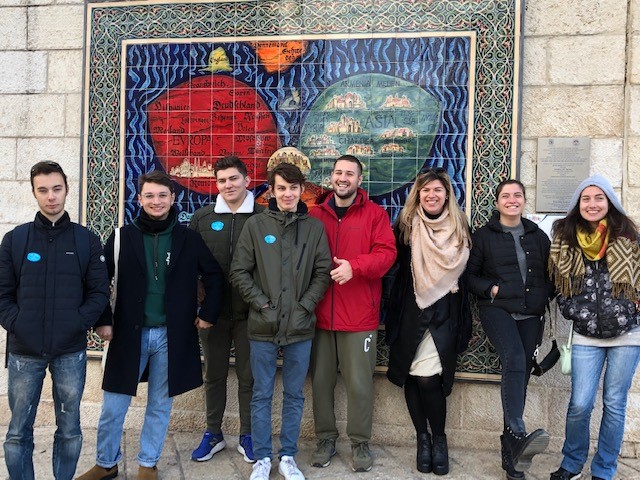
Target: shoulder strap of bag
[(19, 240)]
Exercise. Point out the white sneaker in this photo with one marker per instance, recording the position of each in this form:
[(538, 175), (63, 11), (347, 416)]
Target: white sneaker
[(288, 469), (261, 469)]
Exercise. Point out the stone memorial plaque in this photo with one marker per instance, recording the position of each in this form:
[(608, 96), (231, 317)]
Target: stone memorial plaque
[(562, 164)]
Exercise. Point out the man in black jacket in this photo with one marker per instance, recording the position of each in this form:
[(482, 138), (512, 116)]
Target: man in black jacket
[(155, 323), (53, 288)]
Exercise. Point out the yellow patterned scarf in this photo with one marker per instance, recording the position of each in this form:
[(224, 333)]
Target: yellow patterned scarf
[(566, 265), (594, 245)]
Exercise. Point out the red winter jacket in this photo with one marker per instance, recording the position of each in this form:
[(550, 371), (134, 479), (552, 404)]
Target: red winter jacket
[(364, 238)]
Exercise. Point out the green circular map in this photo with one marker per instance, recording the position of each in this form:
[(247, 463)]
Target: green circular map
[(387, 122)]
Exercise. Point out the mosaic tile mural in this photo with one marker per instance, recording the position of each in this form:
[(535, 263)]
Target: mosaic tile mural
[(400, 84)]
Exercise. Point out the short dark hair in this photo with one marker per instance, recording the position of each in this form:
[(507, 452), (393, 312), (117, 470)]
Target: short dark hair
[(510, 181), (155, 176), (352, 159), (46, 168), (230, 161), (288, 171)]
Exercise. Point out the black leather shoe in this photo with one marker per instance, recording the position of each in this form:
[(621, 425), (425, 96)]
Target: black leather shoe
[(507, 461), (524, 447), (423, 457), (440, 455)]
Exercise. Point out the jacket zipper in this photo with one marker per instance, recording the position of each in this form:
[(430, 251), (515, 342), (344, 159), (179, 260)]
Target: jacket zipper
[(233, 226), (333, 293), (304, 247)]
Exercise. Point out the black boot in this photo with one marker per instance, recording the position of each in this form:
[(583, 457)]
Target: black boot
[(507, 462), (523, 447), (440, 455), (423, 457)]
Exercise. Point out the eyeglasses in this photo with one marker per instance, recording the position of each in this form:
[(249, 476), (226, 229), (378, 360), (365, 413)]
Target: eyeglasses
[(151, 196)]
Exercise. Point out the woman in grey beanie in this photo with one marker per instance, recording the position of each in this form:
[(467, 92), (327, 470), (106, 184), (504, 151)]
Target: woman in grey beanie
[(595, 265)]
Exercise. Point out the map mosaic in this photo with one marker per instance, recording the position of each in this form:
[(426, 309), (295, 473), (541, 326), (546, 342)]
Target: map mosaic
[(403, 85)]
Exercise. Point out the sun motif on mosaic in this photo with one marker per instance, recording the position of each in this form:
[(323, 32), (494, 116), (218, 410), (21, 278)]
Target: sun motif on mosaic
[(400, 84)]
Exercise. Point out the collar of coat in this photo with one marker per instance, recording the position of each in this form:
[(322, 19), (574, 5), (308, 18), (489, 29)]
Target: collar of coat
[(221, 205)]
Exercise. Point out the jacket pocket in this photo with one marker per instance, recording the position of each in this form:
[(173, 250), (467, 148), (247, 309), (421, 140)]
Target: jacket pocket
[(263, 322), (301, 322)]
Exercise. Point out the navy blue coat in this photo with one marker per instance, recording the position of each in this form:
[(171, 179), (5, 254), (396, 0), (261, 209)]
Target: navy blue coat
[(189, 258), (48, 310)]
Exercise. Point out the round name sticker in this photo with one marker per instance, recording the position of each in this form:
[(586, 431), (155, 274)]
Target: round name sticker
[(270, 239), (33, 257), (217, 226)]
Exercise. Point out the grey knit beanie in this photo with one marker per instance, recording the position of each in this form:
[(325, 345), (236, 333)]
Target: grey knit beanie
[(604, 185)]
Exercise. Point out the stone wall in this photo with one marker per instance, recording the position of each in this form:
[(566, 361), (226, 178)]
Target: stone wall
[(581, 77)]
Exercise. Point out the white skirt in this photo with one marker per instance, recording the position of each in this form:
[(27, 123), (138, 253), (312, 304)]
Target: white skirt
[(426, 362)]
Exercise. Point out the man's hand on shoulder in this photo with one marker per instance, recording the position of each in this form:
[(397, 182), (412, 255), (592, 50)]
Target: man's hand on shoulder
[(105, 332), (343, 272)]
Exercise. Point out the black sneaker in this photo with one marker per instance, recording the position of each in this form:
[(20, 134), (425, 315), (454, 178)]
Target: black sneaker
[(562, 474)]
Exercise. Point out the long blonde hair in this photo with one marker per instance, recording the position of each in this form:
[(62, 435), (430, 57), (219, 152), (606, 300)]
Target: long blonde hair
[(408, 212)]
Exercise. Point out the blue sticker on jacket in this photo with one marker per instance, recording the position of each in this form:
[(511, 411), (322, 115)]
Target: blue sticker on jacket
[(33, 257), (217, 226), (270, 239)]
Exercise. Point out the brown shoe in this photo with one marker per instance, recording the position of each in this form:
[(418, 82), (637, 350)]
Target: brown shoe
[(99, 473), (147, 473)]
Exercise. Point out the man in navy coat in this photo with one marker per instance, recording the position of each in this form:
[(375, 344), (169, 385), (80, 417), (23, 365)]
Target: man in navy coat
[(153, 329)]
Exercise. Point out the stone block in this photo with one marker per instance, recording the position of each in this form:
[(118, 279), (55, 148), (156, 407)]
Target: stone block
[(632, 423), (13, 111), (606, 159), (633, 161), (8, 158), (634, 67), (573, 111), (535, 61), (65, 151), (632, 197), (634, 110), (481, 404), (44, 116), (23, 206), (13, 27), (580, 17), (634, 15), (55, 27), (73, 115), (528, 162), (65, 71), (565, 68)]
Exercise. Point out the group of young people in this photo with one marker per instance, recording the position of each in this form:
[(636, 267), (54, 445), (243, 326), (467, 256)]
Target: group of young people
[(306, 284)]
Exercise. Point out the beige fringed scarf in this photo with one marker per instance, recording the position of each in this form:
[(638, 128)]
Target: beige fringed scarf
[(622, 256), (437, 259)]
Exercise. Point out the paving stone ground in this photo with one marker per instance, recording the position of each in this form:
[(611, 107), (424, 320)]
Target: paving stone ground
[(389, 462)]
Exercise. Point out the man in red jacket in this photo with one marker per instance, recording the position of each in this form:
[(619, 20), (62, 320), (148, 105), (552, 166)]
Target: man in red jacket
[(363, 249)]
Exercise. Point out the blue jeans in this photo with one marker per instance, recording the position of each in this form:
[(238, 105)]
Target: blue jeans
[(295, 364), (153, 349), (26, 374), (586, 366)]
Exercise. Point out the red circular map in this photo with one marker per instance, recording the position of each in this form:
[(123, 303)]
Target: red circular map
[(196, 123)]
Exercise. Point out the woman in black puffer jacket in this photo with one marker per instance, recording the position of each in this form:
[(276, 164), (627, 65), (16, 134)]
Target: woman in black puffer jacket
[(508, 273)]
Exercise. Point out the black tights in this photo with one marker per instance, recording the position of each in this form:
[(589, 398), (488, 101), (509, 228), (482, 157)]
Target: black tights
[(426, 402)]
